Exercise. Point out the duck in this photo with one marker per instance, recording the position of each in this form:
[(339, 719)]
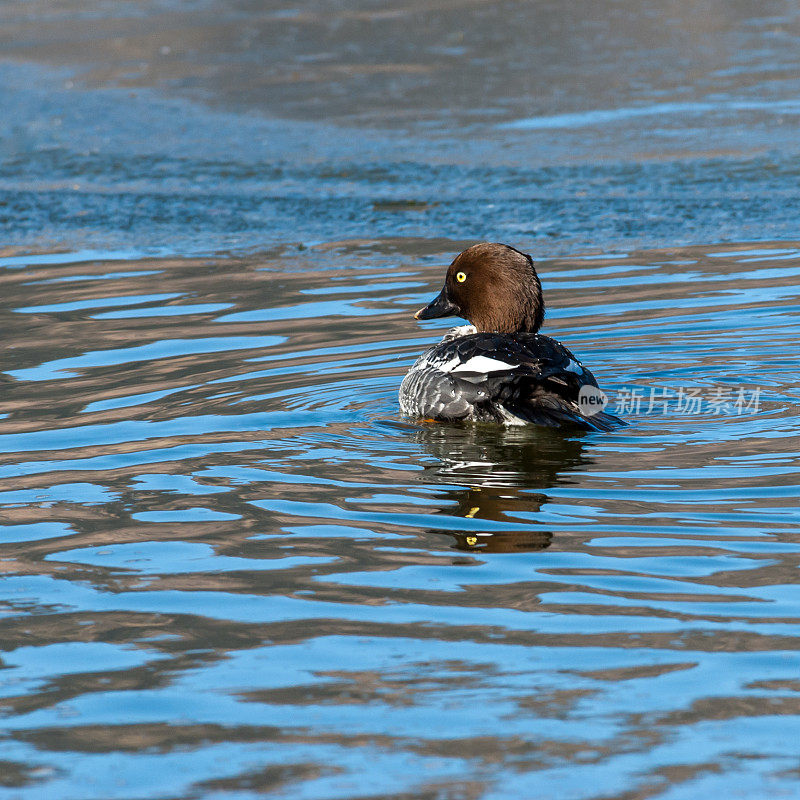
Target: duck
[(499, 368)]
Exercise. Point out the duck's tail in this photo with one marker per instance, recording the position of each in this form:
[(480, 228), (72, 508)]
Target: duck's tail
[(555, 413)]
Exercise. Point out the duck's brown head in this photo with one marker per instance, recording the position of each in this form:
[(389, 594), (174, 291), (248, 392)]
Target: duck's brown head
[(493, 286)]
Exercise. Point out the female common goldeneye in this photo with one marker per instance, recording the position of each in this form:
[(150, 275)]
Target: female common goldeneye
[(499, 368)]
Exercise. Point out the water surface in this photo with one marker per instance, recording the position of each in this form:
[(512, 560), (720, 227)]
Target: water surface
[(232, 568), (568, 126)]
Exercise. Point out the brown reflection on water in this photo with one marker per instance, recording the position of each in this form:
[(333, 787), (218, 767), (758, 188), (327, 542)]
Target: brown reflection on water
[(271, 299), (604, 586)]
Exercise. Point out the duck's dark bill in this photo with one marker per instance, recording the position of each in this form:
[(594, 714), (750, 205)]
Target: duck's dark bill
[(440, 306)]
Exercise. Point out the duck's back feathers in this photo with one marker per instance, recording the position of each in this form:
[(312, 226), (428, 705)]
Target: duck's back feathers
[(524, 377)]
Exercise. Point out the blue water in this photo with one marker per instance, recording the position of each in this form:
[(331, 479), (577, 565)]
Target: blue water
[(231, 568)]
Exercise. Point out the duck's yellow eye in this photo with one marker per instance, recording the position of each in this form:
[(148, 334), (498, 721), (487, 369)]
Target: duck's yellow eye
[(461, 277)]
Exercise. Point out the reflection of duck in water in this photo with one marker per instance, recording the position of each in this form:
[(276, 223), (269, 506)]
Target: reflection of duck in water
[(497, 476), (499, 368)]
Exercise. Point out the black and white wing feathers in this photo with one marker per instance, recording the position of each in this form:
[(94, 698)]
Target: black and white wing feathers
[(506, 378)]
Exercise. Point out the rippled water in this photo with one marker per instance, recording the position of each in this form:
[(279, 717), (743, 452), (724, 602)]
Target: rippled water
[(231, 568)]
